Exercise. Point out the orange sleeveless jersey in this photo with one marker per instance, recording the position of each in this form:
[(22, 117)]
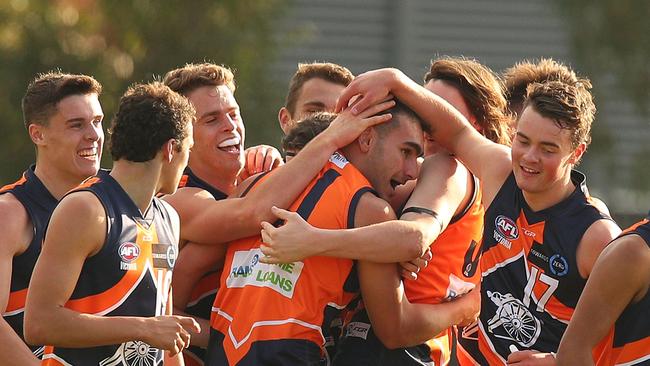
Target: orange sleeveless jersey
[(452, 271), (629, 339), (261, 302)]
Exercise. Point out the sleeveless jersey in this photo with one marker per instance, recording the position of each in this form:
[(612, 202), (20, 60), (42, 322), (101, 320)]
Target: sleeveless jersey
[(39, 204), (274, 314), (452, 271), (530, 280), (203, 294), (631, 341), (129, 276)]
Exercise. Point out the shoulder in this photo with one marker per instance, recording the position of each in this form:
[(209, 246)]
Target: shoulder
[(371, 210), (592, 243), (15, 225), (629, 256), (187, 198)]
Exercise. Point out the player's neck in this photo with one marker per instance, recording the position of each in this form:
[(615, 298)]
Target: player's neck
[(221, 180), (551, 196), (57, 182), (139, 180)]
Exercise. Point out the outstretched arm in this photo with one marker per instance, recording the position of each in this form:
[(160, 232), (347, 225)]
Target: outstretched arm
[(208, 221), (619, 278), (441, 188)]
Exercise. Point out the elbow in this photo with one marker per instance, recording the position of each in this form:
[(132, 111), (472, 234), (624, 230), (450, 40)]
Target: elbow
[(390, 340), (417, 245), (34, 331)]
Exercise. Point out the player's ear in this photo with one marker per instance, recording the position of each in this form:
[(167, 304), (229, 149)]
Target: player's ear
[(284, 117), (577, 153), (168, 150), (36, 133), (366, 139)]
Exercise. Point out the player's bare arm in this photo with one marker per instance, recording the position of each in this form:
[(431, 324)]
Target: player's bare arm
[(395, 321), (77, 231), (595, 239), (489, 161), (17, 232), (625, 261), (440, 188), (221, 221)]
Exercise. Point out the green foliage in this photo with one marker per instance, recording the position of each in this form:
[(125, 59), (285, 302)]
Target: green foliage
[(612, 38), (121, 42)]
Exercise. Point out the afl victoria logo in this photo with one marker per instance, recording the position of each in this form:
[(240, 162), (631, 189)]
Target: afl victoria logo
[(506, 227), (129, 252)]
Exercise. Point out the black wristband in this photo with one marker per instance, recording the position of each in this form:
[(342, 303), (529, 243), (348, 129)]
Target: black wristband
[(422, 210)]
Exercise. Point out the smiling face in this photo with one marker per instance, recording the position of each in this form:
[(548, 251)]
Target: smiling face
[(218, 132), (73, 137), (542, 154), (391, 156)]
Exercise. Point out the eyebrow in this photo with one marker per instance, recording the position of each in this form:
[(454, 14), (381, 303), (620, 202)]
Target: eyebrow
[(545, 143), (315, 103), (415, 146), (82, 119)]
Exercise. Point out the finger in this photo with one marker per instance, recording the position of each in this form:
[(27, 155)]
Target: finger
[(266, 238), (174, 350), (378, 119), (189, 323), (250, 160), (408, 275), (282, 213), (259, 159), (427, 256), (360, 105), (277, 162), (410, 267), (268, 228), (344, 99), (377, 108), (268, 161), (519, 356)]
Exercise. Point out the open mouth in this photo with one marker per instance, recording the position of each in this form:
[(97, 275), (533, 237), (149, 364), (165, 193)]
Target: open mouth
[(528, 170), (394, 183), (91, 154), (231, 145)]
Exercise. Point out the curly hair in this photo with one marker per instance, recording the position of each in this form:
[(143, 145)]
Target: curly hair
[(570, 105), (481, 90), (190, 77), (48, 89), (306, 130), (518, 77), (147, 117)]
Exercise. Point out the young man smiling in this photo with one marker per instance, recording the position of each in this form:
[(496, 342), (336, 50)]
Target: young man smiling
[(541, 235)]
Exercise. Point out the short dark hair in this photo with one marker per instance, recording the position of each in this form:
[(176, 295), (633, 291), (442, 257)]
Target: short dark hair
[(402, 110), (305, 130), (48, 89), (327, 71), (148, 116), (190, 77), (570, 106)]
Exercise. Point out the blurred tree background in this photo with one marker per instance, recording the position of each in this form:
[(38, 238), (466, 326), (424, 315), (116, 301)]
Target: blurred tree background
[(121, 42)]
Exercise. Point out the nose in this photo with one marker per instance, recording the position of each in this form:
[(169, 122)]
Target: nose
[(229, 123), (411, 169), (94, 132)]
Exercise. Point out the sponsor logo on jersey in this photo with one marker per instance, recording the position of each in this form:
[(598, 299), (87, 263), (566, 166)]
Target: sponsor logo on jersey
[(163, 255), (558, 265), (505, 230), (339, 160), (129, 253), (358, 330), (247, 270)]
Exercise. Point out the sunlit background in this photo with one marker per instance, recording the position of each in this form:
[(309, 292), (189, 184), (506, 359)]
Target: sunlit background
[(121, 42)]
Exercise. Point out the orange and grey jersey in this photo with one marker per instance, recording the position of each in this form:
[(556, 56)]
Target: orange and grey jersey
[(530, 280), (39, 204), (631, 341), (129, 276), (274, 314), (203, 294)]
